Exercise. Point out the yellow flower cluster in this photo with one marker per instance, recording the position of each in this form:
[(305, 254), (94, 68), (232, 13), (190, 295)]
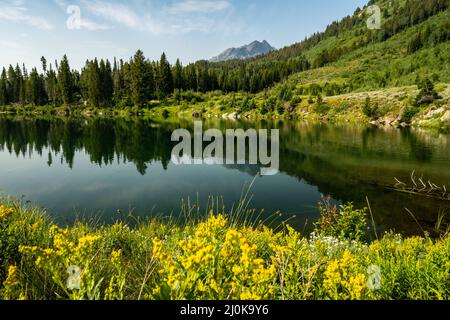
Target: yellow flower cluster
[(342, 280), (63, 253), (215, 263), (212, 226), (63, 247), (243, 255), (11, 279), (116, 256), (216, 260), (11, 286), (5, 213), (116, 285)]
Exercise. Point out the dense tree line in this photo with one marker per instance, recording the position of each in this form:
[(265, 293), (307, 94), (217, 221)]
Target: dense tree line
[(137, 81)]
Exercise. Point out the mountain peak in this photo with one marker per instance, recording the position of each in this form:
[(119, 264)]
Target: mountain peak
[(254, 49)]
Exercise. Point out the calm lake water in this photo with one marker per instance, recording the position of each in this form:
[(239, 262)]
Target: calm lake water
[(96, 167)]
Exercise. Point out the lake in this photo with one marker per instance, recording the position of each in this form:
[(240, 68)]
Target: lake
[(105, 168)]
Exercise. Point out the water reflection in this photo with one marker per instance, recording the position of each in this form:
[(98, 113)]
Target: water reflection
[(101, 165)]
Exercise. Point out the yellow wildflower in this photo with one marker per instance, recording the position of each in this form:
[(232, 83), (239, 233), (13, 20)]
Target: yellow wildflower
[(11, 283), (249, 296), (342, 280), (158, 249), (87, 241), (115, 256), (5, 213)]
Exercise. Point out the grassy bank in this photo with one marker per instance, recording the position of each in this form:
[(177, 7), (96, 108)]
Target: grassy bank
[(215, 258)]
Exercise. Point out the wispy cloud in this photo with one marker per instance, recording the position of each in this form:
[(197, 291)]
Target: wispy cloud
[(92, 26), (198, 6), (114, 12), (10, 45), (180, 17), (16, 11)]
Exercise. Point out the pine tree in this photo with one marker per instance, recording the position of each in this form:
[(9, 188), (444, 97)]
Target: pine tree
[(106, 83), (415, 44), (21, 83), (13, 86), (93, 83), (65, 81), (44, 64), (427, 92), (4, 89), (52, 87), (141, 80), (165, 80), (118, 80), (36, 89), (178, 81)]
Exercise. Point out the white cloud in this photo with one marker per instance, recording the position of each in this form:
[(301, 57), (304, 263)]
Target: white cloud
[(10, 45), (16, 11), (92, 26), (114, 12), (198, 6), (179, 18), (61, 3), (179, 26)]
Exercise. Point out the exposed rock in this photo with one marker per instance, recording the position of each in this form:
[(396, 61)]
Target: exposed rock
[(234, 115), (427, 99), (388, 120), (291, 109), (446, 116), (435, 112)]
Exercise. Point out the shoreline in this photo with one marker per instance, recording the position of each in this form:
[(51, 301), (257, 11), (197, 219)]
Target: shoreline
[(392, 103)]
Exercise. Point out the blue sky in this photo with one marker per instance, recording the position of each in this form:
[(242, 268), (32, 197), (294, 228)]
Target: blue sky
[(188, 29)]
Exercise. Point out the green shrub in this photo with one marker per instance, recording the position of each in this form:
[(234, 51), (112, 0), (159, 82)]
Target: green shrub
[(296, 100), (344, 222), (408, 113), (343, 106), (280, 108), (321, 107), (165, 113), (370, 110), (427, 94), (285, 93)]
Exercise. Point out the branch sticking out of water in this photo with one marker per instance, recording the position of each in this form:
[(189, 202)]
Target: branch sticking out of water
[(418, 186)]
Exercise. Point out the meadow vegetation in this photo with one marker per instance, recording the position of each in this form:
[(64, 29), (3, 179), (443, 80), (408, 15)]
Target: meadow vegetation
[(216, 257)]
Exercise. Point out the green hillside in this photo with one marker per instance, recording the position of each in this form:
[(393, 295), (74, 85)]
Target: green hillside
[(352, 66)]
